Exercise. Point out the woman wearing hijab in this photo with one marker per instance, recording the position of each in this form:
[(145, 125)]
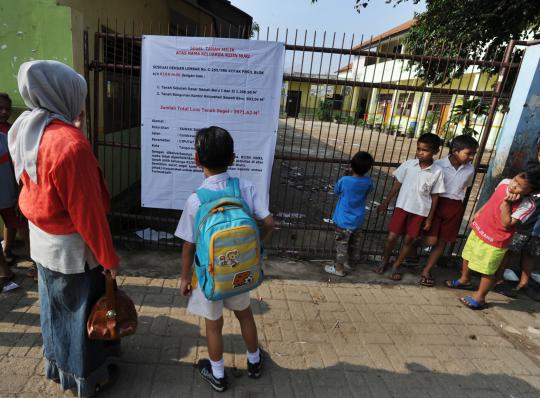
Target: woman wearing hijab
[(65, 200)]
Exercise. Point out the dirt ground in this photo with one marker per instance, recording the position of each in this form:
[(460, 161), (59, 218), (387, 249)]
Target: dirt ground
[(302, 198)]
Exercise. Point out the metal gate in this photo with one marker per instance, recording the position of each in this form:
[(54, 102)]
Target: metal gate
[(349, 94)]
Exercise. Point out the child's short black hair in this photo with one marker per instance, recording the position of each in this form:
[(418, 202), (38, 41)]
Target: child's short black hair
[(215, 148), (532, 176), (361, 163), (462, 142), (5, 97), (431, 139)]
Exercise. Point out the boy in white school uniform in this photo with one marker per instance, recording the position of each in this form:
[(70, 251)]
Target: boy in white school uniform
[(458, 173), (419, 183), (214, 153)]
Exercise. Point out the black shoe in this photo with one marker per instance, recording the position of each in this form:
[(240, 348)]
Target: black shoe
[(255, 369), (205, 369)]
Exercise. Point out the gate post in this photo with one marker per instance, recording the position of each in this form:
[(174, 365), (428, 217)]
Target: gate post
[(518, 139)]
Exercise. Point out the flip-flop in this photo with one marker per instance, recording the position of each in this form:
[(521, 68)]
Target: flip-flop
[(456, 284), (4, 280), (331, 269), (396, 275), (471, 303), (427, 281), (380, 269)]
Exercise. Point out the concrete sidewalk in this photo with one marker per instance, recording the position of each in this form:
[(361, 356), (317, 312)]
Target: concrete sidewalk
[(361, 337)]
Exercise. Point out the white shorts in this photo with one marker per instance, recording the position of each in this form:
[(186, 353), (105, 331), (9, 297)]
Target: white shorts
[(213, 310)]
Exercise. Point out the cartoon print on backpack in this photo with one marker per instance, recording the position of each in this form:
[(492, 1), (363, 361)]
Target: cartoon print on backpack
[(229, 259)]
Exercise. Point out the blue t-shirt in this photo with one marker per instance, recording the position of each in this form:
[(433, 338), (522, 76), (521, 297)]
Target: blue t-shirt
[(351, 206)]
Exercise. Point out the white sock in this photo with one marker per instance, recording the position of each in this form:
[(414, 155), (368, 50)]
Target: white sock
[(218, 368), (254, 357)]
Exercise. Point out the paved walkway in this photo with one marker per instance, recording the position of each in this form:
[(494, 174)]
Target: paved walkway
[(324, 338)]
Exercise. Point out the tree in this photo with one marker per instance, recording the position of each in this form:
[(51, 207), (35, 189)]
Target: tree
[(468, 109), (473, 29)]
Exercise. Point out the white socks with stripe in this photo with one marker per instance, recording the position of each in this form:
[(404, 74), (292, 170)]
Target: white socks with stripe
[(254, 358), (218, 368)]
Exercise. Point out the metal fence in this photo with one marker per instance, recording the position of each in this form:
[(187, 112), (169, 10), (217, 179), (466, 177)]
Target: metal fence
[(340, 95)]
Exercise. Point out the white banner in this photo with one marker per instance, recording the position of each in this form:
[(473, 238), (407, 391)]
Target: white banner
[(189, 83)]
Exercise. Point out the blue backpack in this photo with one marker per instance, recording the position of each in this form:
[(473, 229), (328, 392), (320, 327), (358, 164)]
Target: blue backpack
[(228, 248)]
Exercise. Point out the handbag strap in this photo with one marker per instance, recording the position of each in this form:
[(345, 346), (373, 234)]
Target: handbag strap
[(110, 295)]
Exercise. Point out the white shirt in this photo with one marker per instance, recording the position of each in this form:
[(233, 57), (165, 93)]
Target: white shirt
[(417, 186), (455, 181), (218, 182), (67, 254)]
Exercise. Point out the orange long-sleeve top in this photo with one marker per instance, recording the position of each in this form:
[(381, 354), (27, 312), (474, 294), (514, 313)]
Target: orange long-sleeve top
[(70, 195)]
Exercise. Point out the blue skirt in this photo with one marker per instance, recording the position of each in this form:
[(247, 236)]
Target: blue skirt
[(71, 358)]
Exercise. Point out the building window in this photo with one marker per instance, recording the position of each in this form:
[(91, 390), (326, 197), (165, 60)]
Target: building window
[(397, 49), (405, 102)]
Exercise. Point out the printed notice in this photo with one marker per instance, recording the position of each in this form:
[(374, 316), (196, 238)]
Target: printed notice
[(189, 83)]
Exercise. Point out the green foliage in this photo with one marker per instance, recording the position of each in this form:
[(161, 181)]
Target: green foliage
[(431, 119), (472, 29), (374, 119), (325, 112), (255, 28), (466, 111), (392, 129)]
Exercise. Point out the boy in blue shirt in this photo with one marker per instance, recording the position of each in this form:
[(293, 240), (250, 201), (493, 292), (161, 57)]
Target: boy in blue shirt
[(350, 209)]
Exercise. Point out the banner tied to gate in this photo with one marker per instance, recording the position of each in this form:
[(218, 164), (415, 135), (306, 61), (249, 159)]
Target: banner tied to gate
[(188, 83)]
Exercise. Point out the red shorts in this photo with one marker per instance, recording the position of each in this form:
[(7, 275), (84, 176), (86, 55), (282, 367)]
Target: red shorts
[(405, 223), (10, 218), (447, 219)]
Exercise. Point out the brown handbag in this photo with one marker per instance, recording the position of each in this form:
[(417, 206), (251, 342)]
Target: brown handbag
[(114, 315)]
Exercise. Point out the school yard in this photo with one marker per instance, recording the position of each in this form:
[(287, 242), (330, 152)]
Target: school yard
[(357, 337), (302, 198)]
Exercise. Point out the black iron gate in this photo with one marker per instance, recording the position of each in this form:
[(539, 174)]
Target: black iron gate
[(349, 95)]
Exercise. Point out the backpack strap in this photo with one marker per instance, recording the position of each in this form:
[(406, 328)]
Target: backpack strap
[(234, 185), (232, 189)]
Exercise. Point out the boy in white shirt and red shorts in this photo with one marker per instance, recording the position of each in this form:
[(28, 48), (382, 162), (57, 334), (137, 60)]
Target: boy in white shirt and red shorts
[(419, 182), (458, 174)]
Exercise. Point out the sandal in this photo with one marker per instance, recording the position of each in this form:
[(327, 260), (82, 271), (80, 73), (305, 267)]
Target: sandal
[(396, 275), (471, 303), (331, 269), (4, 280), (380, 269), (427, 281), (456, 284)]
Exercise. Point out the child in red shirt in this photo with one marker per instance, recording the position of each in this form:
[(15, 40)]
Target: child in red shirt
[(492, 229)]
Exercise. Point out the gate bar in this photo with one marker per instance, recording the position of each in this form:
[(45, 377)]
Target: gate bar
[(364, 53), (338, 82)]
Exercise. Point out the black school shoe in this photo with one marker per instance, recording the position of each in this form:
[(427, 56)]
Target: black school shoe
[(205, 369), (255, 369)]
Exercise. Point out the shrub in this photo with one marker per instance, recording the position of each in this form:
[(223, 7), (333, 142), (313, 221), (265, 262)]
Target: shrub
[(325, 112)]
